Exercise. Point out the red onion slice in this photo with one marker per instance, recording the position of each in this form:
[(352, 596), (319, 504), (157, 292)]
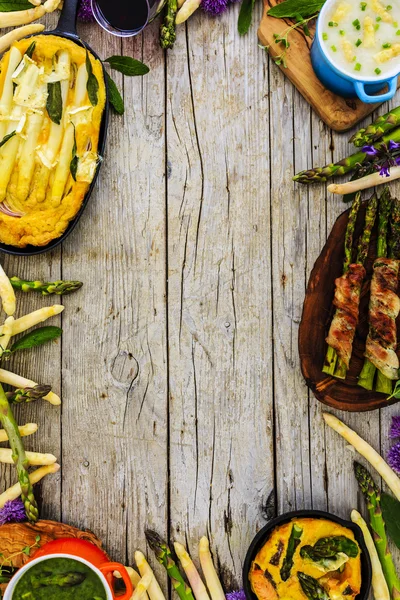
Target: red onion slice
[(7, 211)]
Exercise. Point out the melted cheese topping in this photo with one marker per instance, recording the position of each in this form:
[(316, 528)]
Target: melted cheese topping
[(37, 178)]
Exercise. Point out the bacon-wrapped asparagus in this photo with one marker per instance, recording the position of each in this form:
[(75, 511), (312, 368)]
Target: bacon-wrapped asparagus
[(347, 294), (383, 309)]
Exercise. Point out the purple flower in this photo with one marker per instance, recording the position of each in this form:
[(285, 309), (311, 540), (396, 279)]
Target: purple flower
[(215, 7), (12, 512), (384, 172), (85, 13), (240, 595), (370, 150), (393, 145), (394, 457), (395, 428)]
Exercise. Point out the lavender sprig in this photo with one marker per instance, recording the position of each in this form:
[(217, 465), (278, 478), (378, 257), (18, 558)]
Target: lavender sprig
[(388, 155)]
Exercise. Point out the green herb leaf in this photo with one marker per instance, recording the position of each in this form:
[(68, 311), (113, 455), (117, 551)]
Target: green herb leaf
[(26, 550), (127, 65), (115, 97), (11, 5), (391, 516), (92, 85), (54, 104), (37, 337), (291, 8), (396, 391), (31, 49), (6, 138), (37, 538), (73, 165), (245, 16)]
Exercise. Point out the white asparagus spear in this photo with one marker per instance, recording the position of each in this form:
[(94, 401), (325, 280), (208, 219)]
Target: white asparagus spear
[(35, 2), (142, 586), (154, 590), (364, 183), (181, 3), (209, 572), (14, 59), (20, 382), (7, 293), (24, 430), (188, 8), (9, 150), (366, 451), (34, 318), (198, 587), (379, 585), (17, 34), (14, 492), (6, 334), (22, 17), (34, 458), (134, 577), (27, 158)]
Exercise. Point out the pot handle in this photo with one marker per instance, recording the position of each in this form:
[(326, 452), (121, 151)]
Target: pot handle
[(364, 97), (108, 568)]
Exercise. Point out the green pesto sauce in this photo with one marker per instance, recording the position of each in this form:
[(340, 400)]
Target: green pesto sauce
[(75, 580)]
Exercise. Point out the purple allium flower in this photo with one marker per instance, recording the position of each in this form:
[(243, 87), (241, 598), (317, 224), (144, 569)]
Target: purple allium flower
[(370, 150), (12, 512), (215, 7), (384, 172), (393, 145), (395, 428), (240, 595), (85, 13), (394, 457)]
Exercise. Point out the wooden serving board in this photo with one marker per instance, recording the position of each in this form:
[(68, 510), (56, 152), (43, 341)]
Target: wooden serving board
[(338, 113), (16, 536), (316, 320)]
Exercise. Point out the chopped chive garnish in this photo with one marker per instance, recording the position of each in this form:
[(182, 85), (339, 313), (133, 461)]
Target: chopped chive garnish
[(378, 19), (333, 24), (325, 36), (387, 45), (378, 71), (358, 42), (395, 24), (357, 24), (398, 32), (334, 49), (363, 5), (342, 32), (389, 7), (357, 67), (376, 27)]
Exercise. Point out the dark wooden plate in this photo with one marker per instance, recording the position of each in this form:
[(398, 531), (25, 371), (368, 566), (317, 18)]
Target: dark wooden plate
[(316, 319)]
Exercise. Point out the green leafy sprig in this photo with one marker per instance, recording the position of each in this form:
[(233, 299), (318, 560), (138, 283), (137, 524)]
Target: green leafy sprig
[(34, 338), (391, 515), (245, 16), (396, 391), (283, 38), (127, 66), (291, 9), (7, 565)]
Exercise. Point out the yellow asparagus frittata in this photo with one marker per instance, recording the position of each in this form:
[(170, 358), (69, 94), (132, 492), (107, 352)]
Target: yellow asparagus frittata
[(52, 97)]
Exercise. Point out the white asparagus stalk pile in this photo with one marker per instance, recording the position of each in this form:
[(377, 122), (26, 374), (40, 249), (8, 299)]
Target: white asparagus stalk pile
[(209, 572), (363, 448), (198, 588), (154, 590), (364, 183), (24, 430), (17, 34), (20, 382), (14, 491), (34, 458), (379, 585), (23, 17)]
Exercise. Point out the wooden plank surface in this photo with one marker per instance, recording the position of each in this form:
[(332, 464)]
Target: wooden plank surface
[(183, 401)]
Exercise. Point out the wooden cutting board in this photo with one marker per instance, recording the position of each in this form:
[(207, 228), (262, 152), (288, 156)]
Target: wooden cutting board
[(338, 113)]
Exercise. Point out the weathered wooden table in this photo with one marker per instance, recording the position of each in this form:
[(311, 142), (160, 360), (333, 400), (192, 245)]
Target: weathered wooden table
[(183, 401)]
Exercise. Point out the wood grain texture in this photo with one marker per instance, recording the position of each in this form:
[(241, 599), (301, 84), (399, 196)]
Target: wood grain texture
[(338, 113)]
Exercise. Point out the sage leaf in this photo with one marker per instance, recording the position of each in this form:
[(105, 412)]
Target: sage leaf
[(92, 85), (37, 337), (12, 5), (31, 49), (391, 516), (293, 8), (127, 65), (245, 16), (115, 97), (54, 104), (73, 165), (7, 137)]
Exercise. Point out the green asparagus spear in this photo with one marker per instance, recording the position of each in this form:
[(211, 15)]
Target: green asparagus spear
[(394, 240), (366, 377), (312, 589), (9, 424), (344, 166), (46, 288), (377, 129), (63, 580), (168, 31), (329, 547), (372, 495), (28, 394), (164, 557), (294, 541)]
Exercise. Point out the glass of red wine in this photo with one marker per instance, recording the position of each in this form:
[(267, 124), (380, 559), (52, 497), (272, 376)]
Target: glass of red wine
[(125, 18)]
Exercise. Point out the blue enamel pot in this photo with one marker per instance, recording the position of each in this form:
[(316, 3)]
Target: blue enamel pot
[(340, 82)]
